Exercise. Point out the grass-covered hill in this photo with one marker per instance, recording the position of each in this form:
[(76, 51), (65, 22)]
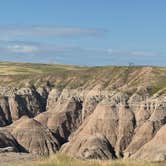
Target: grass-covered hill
[(70, 76)]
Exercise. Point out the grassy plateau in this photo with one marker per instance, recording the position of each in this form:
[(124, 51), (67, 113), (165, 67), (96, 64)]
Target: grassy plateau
[(85, 77)]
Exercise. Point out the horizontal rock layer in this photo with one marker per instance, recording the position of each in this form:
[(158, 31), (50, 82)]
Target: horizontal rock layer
[(85, 122)]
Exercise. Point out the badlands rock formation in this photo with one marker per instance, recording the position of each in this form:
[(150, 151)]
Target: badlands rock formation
[(33, 136), (8, 143), (156, 147), (120, 118)]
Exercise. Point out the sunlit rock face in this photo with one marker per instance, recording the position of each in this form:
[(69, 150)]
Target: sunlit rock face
[(94, 121)]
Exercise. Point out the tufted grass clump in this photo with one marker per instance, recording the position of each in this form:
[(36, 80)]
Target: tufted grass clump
[(63, 160)]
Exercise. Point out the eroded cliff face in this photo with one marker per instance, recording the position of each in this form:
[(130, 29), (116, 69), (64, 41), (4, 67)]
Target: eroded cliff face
[(84, 123), (100, 113), (127, 124), (19, 102)]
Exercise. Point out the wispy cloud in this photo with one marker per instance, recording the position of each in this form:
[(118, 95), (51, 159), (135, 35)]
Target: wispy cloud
[(35, 47), (27, 47), (50, 31), (22, 48), (144, 53), (44, 52), (135, 53)]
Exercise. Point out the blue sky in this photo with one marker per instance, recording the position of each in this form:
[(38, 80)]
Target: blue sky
[(83, 32)]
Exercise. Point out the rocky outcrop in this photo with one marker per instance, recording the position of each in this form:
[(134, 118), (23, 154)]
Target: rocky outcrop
[(127, 128), (142, 135), (63, 119), (116, 124), (5, 114), (91, 146), (8, 143), (33, 136), (154, 149), (85, 123), (24, 101)]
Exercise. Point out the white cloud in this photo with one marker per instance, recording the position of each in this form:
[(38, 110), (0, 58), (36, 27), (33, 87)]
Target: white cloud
[(144, 53), (22, 48), (33, 47), (132, 53), (50, 31), (44, 52)]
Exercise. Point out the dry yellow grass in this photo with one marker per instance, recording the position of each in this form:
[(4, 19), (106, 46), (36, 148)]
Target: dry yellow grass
[(62, 160), (108, 78), (13, 68)]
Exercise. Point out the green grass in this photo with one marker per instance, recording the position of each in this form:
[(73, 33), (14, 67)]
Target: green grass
[(71, 76), (62, 160), (11, 68)]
